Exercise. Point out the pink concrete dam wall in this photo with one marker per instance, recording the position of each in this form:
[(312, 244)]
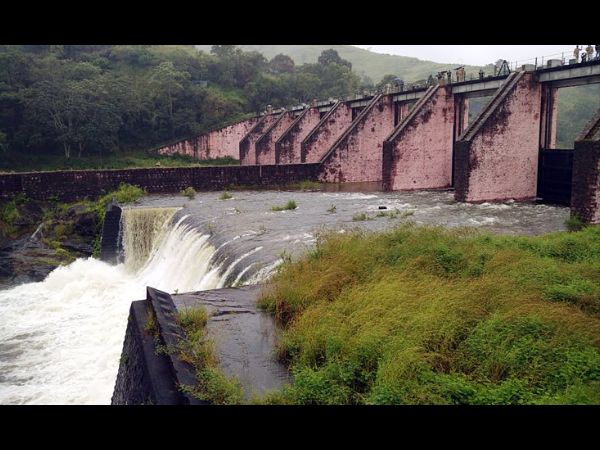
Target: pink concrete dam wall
[(358, 154), (332, 126), (498, 157), (216, 144), (419, 153)]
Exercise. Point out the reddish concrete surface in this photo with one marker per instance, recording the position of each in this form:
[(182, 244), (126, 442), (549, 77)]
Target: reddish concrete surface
[(497, 157), (332, 126), (585, 200), (549, 120), (216, 144), (288, 149), (265, 146), (358, 155), (418, 154), (247, 145)]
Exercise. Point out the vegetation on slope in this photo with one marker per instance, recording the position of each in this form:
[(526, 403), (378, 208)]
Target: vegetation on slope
[(65, 102), (423, 315), (97, 106), (366, 64)]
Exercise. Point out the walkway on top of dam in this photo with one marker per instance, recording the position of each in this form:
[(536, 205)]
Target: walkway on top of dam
[(556, 72)]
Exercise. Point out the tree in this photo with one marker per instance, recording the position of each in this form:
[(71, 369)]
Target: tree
[(100, 116), (335, 79), (15, 69), (387, 79), (225, 51), (302, 87), (265, 89), (166, 83), (331, 56), (282, 64), (3, 143), (75, 105)]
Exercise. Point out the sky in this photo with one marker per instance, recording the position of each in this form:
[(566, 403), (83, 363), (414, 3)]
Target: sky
[(476, 55)]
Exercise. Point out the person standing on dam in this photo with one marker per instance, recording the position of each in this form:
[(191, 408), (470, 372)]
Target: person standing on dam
[(589, 50)]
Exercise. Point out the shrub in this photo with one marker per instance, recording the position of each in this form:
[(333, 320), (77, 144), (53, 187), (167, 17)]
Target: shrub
[(190, 193), (225, 196), (575, 223), (8, 215), (290, 206)]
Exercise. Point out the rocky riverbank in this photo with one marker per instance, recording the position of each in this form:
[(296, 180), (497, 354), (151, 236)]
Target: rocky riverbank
[(37, 237)]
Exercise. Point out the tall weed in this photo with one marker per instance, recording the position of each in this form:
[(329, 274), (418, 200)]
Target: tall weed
[(425, 315)]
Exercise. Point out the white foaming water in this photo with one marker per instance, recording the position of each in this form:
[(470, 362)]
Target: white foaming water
[(61, 339)]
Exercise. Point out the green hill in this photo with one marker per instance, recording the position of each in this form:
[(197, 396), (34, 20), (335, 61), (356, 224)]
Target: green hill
[(364, 62)]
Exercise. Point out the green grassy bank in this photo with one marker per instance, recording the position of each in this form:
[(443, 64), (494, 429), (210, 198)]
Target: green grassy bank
[(130, 160), (423, 315)]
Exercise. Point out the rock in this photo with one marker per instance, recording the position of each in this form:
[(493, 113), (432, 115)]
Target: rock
[(32, 256), (30, 214)]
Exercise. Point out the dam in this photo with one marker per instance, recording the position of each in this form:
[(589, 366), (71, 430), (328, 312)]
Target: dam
[(62, 342), (63, 338)]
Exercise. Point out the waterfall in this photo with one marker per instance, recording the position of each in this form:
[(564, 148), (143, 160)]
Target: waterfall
[(140, 230), (179, 260), (61, 339)]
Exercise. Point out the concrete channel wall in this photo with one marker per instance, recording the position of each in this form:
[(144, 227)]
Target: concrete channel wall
[(75, 185)]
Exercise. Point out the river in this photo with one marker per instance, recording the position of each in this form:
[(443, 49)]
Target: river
[(61, 339)]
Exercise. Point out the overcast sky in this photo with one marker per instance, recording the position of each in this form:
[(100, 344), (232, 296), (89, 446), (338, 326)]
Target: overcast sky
[(475, 55)]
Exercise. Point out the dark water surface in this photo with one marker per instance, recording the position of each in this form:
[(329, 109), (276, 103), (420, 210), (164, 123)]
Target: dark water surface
[(246, 227)]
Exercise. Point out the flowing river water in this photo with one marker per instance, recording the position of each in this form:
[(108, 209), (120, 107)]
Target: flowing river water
[(61, 339)]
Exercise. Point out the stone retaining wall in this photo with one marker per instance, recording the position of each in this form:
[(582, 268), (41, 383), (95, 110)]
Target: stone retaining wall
[(75, 185)]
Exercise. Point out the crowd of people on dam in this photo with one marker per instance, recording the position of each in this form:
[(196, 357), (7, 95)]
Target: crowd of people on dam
[(586, 54)]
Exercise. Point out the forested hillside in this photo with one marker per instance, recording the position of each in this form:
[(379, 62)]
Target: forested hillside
[(365, 63), (79, 106), (72, 102)]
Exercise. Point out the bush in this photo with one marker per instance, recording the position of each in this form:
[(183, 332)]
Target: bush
[(575, 223), (290, 206), (8, 215), (225, 196), (126, 193), (190, 193)]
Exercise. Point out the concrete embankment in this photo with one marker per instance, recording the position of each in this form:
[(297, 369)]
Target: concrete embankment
[(245, 338)]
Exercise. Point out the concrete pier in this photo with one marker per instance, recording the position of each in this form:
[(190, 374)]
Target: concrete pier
[(357, 156), (418, 154), (585, 200), (497, 157)]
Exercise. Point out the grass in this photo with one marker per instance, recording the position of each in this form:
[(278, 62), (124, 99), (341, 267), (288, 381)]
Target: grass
[(290, 206), (389, 214), (360, 217), (9, 213), (123, 160), (424, 315), (225, 196), (198, 350)]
